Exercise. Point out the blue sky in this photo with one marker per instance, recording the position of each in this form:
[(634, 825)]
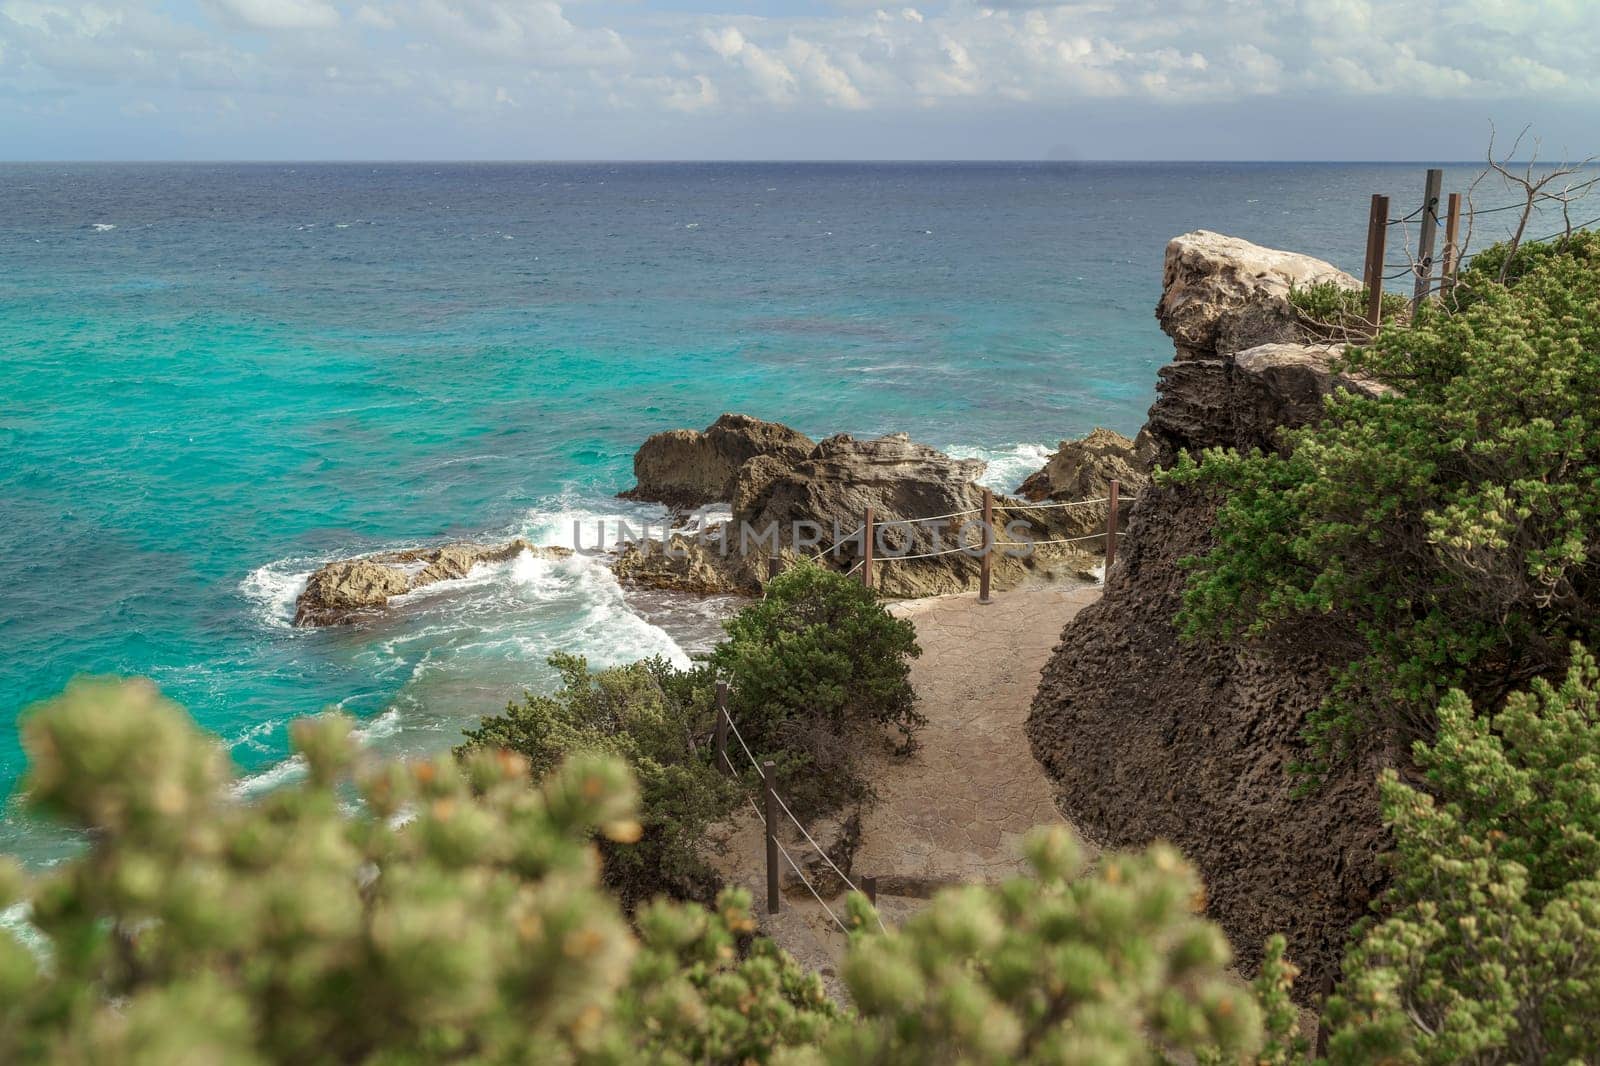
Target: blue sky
[(794, 79)]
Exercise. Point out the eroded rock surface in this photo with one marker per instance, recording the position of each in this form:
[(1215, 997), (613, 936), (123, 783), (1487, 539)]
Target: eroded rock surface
[(796, 508), (1083, 470), (349, 589), (689, 468), (1224, 294), (1150, 737)]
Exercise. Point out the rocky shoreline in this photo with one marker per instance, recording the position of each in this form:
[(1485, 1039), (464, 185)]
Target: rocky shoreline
[(793, 498)]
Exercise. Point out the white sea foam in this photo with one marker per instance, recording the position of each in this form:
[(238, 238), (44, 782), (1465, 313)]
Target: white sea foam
[(104, 227), (1009, 464), (273, 588)]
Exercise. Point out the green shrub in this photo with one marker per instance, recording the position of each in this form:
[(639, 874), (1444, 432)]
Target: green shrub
[(197, 929), (1441, 536), (454, 916), (1329, 312), (1491, 949), (647, 714), (818, 668), (1061, 966)]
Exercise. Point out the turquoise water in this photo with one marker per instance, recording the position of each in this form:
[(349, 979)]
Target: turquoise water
[(217, 377)]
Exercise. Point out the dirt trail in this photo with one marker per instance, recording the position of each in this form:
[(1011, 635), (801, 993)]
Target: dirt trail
[(959, 807)]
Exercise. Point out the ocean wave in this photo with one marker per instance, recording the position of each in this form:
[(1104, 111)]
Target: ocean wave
[(273, 588), (1008, 464), (103, 227)]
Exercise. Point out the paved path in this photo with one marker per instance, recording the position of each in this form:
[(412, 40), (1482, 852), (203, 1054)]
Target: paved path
[(960, 806)]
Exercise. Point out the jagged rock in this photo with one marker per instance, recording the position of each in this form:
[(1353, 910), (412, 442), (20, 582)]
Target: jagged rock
[(1243, 400), (1222, 294), (1149, 736), (1083, 470), (348, 589), (797, 508), (687, 468), (839, 837), (688, 564)]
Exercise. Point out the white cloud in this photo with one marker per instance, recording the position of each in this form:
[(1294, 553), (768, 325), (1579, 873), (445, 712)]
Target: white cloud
[(494, 56), (282, 14), (375, 17)]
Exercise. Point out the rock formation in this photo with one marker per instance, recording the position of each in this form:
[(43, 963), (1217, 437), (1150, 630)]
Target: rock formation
[(799, 507), (689, 468), (1152, 737), (1084, 469), (1223, 294), (349, 589)]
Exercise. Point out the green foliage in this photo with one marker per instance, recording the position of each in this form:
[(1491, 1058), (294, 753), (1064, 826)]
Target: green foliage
[(1490, 952), (453, 917), (1482, 274), (1330, 312), (1063, 966), (647, 714), (1442, 535), (816, 668)]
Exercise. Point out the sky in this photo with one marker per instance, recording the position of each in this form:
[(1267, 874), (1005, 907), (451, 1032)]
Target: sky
[(795, 79)]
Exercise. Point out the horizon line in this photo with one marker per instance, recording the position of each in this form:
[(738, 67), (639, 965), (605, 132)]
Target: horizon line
[(596, 161)]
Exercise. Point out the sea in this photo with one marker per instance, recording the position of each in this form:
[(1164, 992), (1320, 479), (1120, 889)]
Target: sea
[(214, 378)]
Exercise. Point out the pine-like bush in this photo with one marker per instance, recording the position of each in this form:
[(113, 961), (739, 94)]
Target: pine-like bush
[(818, 668), (1490, 950), (648, 714), (1444, 535), (1065, 966), (454, 916)]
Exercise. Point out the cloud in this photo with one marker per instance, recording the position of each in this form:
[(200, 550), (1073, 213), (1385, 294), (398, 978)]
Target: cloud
[(281, 14), (392, 59)]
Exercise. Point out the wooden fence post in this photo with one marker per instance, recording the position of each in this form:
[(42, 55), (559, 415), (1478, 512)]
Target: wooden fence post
[(869, 885), (1380, 235), (868, 535), (1111, 524), (1425, 235), (1452, 243), (1372, 270), (774, 566), (769, 775), (988, 546), (721, 733)]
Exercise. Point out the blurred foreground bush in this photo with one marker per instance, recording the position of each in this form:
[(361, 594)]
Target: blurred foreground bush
[(452, 915)]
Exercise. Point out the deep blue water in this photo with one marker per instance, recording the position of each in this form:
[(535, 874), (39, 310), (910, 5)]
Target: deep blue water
[(216, 377)]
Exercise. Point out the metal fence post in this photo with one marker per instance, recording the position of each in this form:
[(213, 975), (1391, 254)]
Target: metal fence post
[(1375, 291), (866, 557), (1425, 235), (769, 774), (1111, 524), (1372, 269), (988, 546)]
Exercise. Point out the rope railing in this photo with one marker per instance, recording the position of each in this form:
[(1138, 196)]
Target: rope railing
[(785, 853), (722, 711), (842, 540)]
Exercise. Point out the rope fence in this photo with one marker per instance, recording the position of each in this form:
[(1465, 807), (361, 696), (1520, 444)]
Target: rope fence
[(765, 770)]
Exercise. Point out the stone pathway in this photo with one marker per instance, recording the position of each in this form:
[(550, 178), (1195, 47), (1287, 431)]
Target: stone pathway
[(959, 807)]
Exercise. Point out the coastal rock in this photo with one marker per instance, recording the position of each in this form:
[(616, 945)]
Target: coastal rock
[(1223, 294), (688, 468), (349, 589), (1243, 400), (1152, 737), (688, 564), (1083, 470)]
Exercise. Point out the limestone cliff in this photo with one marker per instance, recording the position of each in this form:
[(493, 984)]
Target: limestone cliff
[(1152, 737)]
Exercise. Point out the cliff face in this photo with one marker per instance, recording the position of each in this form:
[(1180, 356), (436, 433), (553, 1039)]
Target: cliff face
[(1151, 737)]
